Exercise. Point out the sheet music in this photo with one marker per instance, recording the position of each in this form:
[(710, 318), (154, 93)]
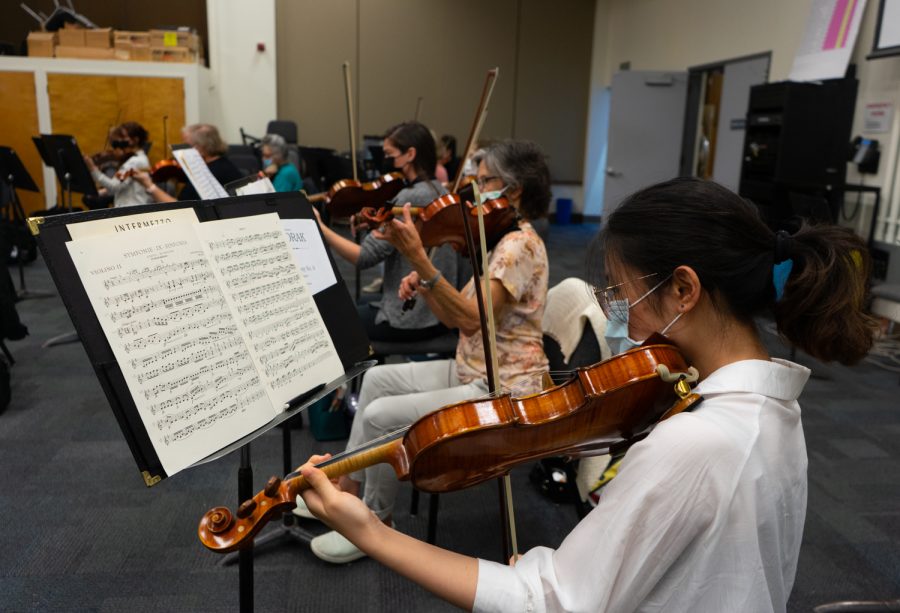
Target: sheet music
[(207, 186), (309, 253), (283, 329), (175, 339), (260, 186)]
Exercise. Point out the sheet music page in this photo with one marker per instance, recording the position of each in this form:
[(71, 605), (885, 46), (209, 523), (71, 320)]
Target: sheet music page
[(260, 186), (284, 331), (127, 224), (309, 253), (207, 186), (175, 339)]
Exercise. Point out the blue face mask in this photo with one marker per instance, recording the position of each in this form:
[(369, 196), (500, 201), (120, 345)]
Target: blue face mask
[(617, 327), (266, 162)]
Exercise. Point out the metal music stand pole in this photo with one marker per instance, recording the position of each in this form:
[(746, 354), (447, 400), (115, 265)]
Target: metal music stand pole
[(19, 213), (245, 555)]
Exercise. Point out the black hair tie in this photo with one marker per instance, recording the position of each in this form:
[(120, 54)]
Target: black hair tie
[(784, 244)]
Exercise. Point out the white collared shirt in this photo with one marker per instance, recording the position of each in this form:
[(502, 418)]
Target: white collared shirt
[(705, 515)]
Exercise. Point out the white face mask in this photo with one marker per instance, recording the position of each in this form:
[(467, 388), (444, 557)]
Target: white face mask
[(492, 195)]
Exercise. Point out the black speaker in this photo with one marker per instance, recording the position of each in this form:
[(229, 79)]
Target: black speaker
[(795, 148)]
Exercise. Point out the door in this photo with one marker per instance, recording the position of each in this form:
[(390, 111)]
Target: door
[(740, 76), (646, 120)]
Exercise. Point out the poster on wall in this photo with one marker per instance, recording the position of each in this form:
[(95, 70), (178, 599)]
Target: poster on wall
[(831, 31), (887, 31)]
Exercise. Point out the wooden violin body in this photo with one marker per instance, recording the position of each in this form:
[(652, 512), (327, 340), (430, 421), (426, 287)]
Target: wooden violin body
[(466, 443), (440, 223), (348, 196), (167, 170)]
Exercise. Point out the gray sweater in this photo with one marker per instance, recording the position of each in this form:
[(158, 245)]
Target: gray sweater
[(372, 251)]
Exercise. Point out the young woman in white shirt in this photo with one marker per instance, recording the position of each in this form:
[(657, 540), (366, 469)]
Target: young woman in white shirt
[(707, 512)]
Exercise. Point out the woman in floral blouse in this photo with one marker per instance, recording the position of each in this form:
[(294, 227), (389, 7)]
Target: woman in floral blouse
[(396, 395)]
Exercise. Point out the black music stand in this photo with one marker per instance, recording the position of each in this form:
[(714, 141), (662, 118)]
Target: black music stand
[(15, 176), (334, 304), (68, 163), (45, 158)]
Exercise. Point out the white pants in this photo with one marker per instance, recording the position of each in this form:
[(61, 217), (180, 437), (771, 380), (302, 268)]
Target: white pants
[(394, 396)]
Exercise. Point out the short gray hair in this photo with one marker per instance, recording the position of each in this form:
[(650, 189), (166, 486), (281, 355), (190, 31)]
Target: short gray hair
[(520, 164), (277, 144)]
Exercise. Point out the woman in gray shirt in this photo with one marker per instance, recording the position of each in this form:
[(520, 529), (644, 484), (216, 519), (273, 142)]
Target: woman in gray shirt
[(409, 149)]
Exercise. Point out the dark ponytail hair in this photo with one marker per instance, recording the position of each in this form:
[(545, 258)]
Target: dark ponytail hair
[(414, 134), (720, 235)]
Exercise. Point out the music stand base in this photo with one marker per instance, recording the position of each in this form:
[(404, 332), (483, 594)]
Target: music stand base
[(62, 339), (281, 532)]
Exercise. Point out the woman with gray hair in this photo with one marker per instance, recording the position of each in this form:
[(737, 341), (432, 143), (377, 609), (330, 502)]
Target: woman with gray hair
[(395, 395), (205, 138), (284, 175)]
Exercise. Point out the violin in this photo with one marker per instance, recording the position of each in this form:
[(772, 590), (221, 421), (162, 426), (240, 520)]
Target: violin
[(440, 222), (466, 443), (348, 196)]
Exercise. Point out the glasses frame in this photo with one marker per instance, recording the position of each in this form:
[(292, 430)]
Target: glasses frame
[(482, 181), (607, 295)]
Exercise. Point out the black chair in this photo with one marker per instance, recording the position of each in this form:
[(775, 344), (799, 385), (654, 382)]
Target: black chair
[(284, 128), (245, 158)]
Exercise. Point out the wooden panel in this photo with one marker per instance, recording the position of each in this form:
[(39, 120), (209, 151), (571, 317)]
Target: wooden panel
[(440, 51), (18, 123), (86, 106), (554, 66), (313, 39)]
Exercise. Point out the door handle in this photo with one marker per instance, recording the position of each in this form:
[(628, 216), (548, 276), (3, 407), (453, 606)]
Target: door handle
[(611, 172)]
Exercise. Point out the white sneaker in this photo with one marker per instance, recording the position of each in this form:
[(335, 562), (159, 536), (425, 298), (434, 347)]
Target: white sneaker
[(301, 510), (333, 547), (374, 287)]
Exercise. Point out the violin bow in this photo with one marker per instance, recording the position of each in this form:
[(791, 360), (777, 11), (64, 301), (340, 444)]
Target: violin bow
[(480, 115), (485, 303), (350, 123)]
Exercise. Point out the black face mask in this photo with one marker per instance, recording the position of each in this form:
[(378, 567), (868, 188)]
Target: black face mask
[(387, 166)]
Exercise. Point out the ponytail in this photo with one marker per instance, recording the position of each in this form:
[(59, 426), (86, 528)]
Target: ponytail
[(822, 310)]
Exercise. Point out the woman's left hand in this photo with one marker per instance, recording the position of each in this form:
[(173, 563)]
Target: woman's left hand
[(271, 170), (402, 234)]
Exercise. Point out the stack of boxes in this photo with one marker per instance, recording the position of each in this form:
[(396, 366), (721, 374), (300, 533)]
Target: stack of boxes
[(106, 44), (94, 44)]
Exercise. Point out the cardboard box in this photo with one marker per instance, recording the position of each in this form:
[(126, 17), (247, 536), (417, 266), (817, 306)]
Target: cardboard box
[(174, 38), (132, 52), (85, 53), (132, 38), (71, 37), (173, 54), (41, 44), (101, 38)]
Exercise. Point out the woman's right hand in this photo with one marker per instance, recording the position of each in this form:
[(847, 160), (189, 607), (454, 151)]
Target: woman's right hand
[(409, 286)]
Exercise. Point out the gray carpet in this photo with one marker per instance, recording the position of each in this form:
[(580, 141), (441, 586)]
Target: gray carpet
[(81, 532)]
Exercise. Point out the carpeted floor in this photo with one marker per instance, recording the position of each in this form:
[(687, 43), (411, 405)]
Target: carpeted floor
[(81, 532)]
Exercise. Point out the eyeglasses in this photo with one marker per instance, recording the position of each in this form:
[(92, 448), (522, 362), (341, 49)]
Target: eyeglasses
[(615, 304), (482, 181)]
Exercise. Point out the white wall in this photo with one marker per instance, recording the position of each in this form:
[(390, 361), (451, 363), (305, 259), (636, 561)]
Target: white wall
[(243, 82)]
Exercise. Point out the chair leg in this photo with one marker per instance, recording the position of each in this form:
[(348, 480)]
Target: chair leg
[(414, 503), (433, 502)]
